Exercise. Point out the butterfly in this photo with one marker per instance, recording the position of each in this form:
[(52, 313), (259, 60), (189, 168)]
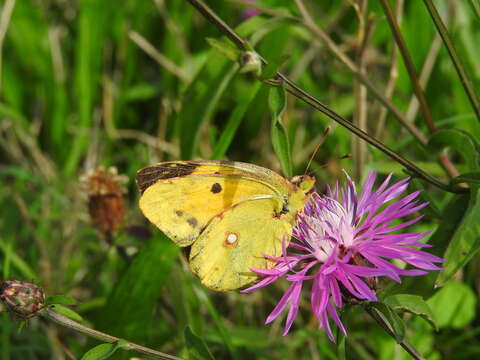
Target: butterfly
[(230, 213)]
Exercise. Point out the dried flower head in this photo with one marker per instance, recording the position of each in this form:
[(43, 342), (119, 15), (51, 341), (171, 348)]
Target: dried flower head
[(105, 201), (342, 243), (22, 298)]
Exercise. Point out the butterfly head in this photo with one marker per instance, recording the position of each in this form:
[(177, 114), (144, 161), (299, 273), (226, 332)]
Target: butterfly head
[(303, 182)]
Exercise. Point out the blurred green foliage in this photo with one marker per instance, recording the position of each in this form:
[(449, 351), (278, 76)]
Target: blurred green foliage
[(87, 83)]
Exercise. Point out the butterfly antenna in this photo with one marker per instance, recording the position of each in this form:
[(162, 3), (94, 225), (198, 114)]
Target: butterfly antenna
[(347, 156), (320, 143)]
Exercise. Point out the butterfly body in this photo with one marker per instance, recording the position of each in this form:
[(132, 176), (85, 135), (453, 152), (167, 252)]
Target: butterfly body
[(230, 213)]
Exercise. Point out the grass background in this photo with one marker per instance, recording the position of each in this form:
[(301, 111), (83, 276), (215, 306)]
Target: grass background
[(87, 83)]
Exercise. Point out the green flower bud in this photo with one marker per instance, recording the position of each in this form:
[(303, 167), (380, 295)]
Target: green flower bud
[(251, 62)]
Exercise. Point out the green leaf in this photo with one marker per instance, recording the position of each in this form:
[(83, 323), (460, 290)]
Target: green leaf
[(233, 122), (129, 308), (279, 134), (225, 47), (413, 304), (454, 305), (460, 140), (390, 319), (65, 311), (465, 241), (61, 299), (104, 351), (270, 25), (201, 101), (197, 348)]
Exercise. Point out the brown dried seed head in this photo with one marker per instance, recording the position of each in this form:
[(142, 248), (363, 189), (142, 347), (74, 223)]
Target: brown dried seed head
[(105, 201), (22, 298)]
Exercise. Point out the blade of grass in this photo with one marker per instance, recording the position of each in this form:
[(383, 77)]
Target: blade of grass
[(233, 123), (200, 107)]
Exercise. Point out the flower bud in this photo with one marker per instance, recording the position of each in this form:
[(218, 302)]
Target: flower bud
[(22, 298), (251, 62)]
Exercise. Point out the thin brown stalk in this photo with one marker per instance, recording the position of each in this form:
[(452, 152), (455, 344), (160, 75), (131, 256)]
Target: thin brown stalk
[(156, 55), (360, 115), (392, 76), (402, 46), (427, 68), (5, 17), (332, 46)]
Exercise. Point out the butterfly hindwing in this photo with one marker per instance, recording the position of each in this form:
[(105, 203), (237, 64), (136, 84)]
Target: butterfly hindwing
[(236, 241)]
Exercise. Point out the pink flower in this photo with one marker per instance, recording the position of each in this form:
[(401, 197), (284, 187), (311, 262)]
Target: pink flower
[(341, 243)]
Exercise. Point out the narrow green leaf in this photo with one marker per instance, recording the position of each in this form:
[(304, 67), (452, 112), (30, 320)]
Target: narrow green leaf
[(454, 305), (225, 47), (233, 122), (102, 351), (413, 304), (197, 348), (270, 25), (61, 299), (461, 141), (279, 134), (65, 311), (388, 316), (201, 102), (465, 242), (129, 308)]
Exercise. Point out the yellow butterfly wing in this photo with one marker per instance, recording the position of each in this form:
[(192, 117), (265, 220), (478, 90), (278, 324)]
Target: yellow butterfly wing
[(233, 213), (181, 197), (236, 241)]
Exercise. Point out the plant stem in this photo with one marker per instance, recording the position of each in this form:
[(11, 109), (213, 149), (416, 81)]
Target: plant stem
[(409, 65), (385, 326), (301, 94), (62, 320), (467, 84)]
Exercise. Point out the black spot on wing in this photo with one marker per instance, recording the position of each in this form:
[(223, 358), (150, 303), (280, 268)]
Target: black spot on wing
[(179, 212), (167, 170), (192, 221), (216, 188)]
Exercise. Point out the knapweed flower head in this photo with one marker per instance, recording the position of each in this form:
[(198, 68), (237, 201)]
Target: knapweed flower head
[(22, 298), (342, 242)]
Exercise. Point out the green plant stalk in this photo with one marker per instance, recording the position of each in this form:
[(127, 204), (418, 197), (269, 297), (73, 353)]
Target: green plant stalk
[(64, 321), (467, 84), (295, 90), (385, 326)]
